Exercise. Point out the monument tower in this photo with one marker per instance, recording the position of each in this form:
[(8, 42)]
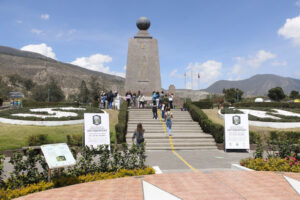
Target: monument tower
[(142, 69)]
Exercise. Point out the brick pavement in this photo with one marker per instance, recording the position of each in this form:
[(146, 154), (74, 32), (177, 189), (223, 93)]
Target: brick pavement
[(233, 185)]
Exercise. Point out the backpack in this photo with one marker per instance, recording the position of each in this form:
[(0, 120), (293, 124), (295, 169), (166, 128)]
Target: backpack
[(169, 116)]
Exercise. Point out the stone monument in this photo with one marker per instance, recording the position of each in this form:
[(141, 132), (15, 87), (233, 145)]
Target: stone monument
[(142, 69)]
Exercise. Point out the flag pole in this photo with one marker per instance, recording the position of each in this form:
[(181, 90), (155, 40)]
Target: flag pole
[(192, 79)]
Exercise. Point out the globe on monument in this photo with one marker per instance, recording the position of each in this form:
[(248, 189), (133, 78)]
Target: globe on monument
[(143, 23)]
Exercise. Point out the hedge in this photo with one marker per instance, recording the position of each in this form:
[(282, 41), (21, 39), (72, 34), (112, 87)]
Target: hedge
[(204, 104), (121, 126), (267, 105), (27, 103), (216, 130)]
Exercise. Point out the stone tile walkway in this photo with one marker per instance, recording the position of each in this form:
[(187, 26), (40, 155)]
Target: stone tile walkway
[(233, 185)]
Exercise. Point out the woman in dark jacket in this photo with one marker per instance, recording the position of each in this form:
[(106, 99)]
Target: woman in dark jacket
[(139, 135)]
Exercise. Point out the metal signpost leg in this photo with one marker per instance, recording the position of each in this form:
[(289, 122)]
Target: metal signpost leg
[(49, 175)]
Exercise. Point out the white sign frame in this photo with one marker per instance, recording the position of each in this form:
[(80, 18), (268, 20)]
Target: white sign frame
[(96, 129), (58, 155), (237, 131)]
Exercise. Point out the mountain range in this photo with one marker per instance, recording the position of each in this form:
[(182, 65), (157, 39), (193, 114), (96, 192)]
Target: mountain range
[(257, 85), (40, 68)]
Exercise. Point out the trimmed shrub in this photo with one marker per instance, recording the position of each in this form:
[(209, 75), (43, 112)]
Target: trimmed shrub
[(37, 140), (35, 104), (204, 104), (216, 130), (121, 126)]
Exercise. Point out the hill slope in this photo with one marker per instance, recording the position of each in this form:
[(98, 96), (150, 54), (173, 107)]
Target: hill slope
[(39, 68), (257, 85)]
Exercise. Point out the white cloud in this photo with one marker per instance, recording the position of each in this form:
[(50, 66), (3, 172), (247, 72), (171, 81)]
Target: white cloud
[(291, 30), (209, 72), (279, 64), (175, 74), (45, 16), (125, 67), (36, 31), (19, 21), (96, 62), (244, 65), (41, 49), (298, 3)]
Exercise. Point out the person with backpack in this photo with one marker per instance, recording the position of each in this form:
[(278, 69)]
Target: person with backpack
[(110, 98), (168, 118), (153, 97), (139, 135), (154, 111)]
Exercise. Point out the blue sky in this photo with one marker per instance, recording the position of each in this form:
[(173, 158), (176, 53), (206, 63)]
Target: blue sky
[(220, 40)]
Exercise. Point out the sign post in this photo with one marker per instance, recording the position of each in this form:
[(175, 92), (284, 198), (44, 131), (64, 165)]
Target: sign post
[(57, 156), (96, 129), (236, 131)]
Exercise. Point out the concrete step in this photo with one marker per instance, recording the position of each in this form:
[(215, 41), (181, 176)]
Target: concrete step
[(177, 143), (131, 130), (183, 148), (174, 135)]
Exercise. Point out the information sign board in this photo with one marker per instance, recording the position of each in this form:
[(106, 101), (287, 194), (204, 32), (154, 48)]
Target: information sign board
[(58, 155), (96, 129), (236, 131)]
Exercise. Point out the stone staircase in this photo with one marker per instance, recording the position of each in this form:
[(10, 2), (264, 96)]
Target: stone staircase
[(186, 134)]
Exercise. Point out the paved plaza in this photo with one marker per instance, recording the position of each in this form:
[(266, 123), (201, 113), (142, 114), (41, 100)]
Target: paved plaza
[(231, 185)]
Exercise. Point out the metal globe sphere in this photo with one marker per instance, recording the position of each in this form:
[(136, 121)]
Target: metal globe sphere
[(143, 23)]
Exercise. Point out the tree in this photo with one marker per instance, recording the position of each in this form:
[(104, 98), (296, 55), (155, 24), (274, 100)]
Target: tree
[(40, 93), (95, 88), (233, 95), (55, 92), (276, 94), (294, 94), (83, 92), (28, 84)]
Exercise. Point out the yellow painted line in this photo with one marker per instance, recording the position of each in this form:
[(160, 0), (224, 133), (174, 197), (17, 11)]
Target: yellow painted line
[(171, 143)]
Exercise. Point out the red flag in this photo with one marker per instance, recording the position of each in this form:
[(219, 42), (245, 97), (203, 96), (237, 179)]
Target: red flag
[(198, 75)]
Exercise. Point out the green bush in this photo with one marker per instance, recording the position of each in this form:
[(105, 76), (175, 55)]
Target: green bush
[(216, 130), (288, 164), (35, 104), (121, 126), (89, 161), (254, 137), (74, 140), (37, 140), (204, 104), (285, 143)]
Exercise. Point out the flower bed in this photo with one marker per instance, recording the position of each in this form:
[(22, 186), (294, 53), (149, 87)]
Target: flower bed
[(48, 114), (288, 164), (265, 114)]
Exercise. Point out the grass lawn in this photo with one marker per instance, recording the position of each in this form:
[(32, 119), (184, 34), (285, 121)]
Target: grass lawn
[(15, 136), (214, 116)]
